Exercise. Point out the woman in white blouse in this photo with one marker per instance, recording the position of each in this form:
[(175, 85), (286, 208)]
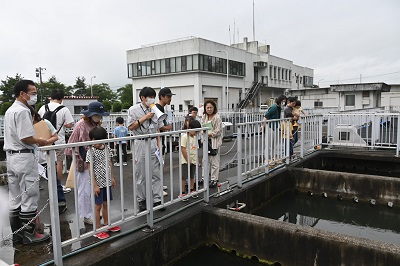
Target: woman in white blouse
[(210, 116)]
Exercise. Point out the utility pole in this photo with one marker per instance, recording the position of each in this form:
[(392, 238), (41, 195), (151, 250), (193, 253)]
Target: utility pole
[(39, 75)]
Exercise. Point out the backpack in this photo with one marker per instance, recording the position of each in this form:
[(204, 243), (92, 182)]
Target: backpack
[(52, 115)]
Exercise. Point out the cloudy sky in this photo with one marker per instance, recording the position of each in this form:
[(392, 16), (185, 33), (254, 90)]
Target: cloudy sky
[(340, 40)]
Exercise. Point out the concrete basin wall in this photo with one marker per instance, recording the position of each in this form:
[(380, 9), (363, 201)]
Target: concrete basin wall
[(291, 244), (381, 188)]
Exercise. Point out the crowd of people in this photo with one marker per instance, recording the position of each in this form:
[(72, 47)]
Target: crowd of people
[(20, 142)]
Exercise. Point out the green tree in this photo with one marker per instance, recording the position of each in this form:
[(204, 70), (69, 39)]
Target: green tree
[(125, 95), (107, 105), (117, 107), (103, 91), (4, 106), (7, 88), (126, 105), (52, 84), (80, 86)]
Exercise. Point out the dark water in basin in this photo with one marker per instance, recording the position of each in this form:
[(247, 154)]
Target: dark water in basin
[(212, 256), (345, 217)]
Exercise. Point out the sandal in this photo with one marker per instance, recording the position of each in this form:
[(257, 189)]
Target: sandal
[(102, 235), (115, 229)]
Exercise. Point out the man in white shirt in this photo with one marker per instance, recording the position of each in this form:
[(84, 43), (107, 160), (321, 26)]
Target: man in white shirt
[(64, 119)]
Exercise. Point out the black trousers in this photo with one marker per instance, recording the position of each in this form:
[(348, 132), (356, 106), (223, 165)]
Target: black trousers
[(124, 154)]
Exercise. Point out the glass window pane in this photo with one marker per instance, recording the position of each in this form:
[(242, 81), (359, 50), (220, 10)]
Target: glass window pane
[(178, 64), (148, 67), (201, 62), (189, 63), (129, 70), (195, 62), (153, 67), (158, 66), (173, 66), (134, 66), (350, 100), (144, 73), (139, 69), (167, 65), (162, 66)]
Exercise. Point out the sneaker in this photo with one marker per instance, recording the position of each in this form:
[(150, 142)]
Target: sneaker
[(116, 164), (193, 194), (62, 208), (164, 187), (115, 229), (165, 193), (142, 205), (213, 183), (102, 235), (157, 204), (182, 196), (88, 220), (124, 163), (66, 189)]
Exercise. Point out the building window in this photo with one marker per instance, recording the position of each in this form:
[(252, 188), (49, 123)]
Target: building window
[(318, 104), (148, 68), (350, 100), (178, 64), (158, 66), (210, 63), (130, 70), (180, 108), (167, 65), (195, 62), (162, 66), (365, 94), (270, 71), (183, 63), (172, 64), (274, 72), (290, 75), (172, 107), (139, 69), (189, 62)]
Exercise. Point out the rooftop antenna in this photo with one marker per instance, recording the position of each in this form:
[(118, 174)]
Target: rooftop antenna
[(230, 43), (234, 28), (238, 35), (254, 28)]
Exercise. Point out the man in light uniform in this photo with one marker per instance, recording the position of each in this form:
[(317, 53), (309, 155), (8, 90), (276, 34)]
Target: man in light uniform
[(140, 121), (22, 168)]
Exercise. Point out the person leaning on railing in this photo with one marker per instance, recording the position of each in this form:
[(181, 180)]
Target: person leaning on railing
[(22, 168), (274, 112), (141, 122), (91, 118)]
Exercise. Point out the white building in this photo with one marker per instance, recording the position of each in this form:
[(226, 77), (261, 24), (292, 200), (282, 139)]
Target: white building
[(345, 97), (195, 70), (76, 104)]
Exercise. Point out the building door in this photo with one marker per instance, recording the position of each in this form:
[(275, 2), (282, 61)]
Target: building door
[(255, 74)]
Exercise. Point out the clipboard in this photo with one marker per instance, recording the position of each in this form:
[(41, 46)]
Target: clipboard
[(42, 131)]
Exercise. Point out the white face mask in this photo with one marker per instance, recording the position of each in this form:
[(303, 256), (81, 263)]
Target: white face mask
[(32, 99), (96, 118), (150, 101)]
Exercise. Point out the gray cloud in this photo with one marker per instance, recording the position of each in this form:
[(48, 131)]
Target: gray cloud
[(338, 39)]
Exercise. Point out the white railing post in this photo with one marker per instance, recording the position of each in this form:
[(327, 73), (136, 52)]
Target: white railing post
[(239, 156), (303, 136), (398, 136), (205, 166), (54, 213), (149, 174)]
